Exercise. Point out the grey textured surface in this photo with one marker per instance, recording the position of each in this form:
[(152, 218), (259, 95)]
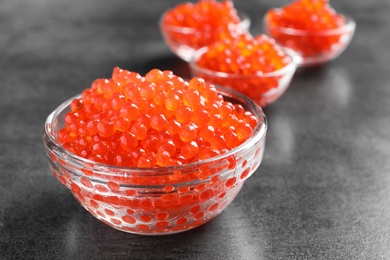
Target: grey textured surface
[(322, 191)]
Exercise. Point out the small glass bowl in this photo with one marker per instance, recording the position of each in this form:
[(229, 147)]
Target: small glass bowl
[(184, 41), (312, 48), (156, 201), (261, 88)]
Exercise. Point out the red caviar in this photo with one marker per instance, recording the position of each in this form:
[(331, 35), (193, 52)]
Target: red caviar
[(198, 24), (244, 63), (314, 21), (119, 121)]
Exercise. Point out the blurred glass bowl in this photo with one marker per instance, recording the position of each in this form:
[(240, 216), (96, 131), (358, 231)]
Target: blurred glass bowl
[(262, 88), (184, 41), (312, 48)]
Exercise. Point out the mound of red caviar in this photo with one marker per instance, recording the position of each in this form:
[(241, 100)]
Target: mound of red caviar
[(313, 15), (243, 54), (131, 123), (250, 65), (309, 27), (195, 25), (153, 121)]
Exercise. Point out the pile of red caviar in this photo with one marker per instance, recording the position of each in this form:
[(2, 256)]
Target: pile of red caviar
[(316, 17), (246, 60), (202, 22), (153, 121)]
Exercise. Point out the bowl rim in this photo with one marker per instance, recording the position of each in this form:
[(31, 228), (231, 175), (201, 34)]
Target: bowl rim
[(245, 22), (349, 26), (221, 74), (258, 133)]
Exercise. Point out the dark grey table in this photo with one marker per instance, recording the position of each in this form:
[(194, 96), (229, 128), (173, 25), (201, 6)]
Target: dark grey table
[(322, 191)]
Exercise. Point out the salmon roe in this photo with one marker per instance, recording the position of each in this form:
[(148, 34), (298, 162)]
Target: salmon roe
[(199, 24), (154, 120), (248, 64), (316, 17), (245, 55)]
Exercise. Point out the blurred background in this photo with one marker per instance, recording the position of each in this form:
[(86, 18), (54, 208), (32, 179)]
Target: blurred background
[(322, 192)]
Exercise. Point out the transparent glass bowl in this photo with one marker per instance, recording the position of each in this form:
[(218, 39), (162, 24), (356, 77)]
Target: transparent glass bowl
[(312, 48), (184, 41), (156, 201), (261, 88)]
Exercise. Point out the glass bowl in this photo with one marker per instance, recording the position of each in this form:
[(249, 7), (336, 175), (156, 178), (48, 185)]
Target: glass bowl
[(312, 48), (262, 88), (156, 201), (184, 41)]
